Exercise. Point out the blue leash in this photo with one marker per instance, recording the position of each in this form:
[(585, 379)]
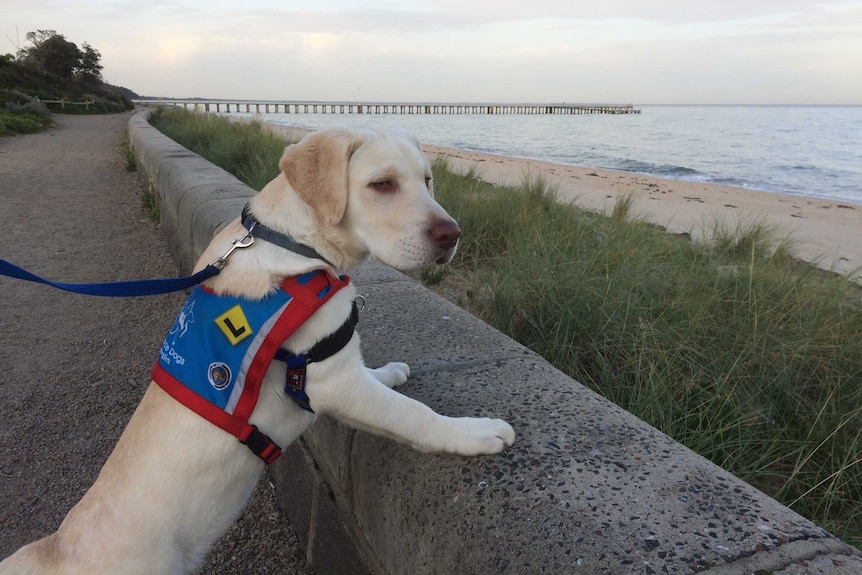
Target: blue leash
[(162, 286), (134, 287), (115, 289)]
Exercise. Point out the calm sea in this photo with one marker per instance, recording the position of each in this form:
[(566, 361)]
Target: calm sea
[(805, 150)]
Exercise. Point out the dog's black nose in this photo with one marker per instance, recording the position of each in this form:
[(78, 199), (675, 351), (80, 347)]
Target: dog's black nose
[(444, 234)]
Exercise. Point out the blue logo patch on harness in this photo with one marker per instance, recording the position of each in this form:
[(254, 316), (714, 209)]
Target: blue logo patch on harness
[(219, 375), (213, 362)]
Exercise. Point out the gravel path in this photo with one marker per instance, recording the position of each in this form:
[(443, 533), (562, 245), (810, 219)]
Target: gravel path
[(72, 367)]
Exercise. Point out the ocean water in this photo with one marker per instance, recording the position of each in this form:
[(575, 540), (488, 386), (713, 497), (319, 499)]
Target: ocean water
[(804, 150)]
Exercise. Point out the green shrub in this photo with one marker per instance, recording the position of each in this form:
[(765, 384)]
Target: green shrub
[(15, 122)]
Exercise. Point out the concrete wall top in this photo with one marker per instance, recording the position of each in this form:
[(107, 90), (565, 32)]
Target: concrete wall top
[(587, 487)]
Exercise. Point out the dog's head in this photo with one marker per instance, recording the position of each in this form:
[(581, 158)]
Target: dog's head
[(372, 189)]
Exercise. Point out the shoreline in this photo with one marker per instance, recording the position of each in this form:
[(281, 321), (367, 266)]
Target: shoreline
[(827, 233)]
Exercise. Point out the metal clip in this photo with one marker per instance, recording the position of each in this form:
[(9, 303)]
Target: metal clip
[(360, 302), (240, 243)]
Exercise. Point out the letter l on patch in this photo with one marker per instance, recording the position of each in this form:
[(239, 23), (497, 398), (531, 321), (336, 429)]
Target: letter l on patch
[(234, 325)]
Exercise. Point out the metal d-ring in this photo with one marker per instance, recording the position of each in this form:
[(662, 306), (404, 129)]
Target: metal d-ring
[(360, 302)]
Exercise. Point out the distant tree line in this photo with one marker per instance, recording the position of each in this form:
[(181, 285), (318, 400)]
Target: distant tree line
[(51, 52)]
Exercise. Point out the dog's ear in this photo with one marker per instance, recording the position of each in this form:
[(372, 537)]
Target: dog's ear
[(316, 169)]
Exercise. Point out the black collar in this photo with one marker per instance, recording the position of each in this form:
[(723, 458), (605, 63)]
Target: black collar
[(260, 231)]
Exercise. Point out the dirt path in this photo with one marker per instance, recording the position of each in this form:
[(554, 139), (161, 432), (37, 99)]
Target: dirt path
[(73, 368)]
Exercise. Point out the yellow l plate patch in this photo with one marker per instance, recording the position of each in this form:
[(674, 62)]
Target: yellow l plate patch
[(234, 325)]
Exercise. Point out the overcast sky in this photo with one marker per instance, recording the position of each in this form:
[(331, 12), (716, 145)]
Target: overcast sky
[(614, 51)]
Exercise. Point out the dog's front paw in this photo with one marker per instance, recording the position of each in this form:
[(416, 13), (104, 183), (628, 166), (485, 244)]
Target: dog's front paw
[(480, 436), (392, 374)]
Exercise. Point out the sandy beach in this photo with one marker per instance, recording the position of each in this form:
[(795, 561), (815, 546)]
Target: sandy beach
[(826, 233)]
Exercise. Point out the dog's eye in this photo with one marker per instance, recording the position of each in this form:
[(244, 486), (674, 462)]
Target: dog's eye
[(383, 186), (428, 183)]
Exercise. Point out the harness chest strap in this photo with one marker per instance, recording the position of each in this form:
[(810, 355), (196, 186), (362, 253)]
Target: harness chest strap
[(216, 355), (294, 385)]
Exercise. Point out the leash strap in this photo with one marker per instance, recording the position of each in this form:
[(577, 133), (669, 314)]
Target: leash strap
[(134, 287), (115, 289), (162, 286)]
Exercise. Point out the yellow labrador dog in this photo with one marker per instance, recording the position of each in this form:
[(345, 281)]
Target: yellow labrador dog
[(175, 482)]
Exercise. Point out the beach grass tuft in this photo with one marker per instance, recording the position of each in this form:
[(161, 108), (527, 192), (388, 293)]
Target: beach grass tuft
[(127, 153), (733, 347), (623, 208)]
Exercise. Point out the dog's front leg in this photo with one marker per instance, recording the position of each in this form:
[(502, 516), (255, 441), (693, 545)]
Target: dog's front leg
[(392, 374), (361, 398)]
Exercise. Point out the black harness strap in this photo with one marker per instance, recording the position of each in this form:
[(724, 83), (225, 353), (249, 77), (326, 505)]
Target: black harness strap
[(261, 445), (294, 385), (334, 342)]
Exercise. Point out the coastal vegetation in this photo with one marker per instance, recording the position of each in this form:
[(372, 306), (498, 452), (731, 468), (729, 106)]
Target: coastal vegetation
[(734, 348), (53, 75), (248, 150)]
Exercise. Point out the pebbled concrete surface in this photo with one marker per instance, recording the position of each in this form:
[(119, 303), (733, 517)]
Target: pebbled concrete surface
[(587, 487)]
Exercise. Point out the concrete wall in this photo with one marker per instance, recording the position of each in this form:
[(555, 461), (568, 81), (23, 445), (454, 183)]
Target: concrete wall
[(587, 487)]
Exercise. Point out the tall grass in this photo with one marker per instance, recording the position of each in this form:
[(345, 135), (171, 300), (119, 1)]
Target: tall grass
[(734, 348), (248, 150)]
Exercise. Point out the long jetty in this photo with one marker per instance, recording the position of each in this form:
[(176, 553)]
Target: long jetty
[(252, 107)]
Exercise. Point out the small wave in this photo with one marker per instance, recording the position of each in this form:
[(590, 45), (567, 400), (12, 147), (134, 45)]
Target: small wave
[(666, 171), (799, 168), (681, 171)]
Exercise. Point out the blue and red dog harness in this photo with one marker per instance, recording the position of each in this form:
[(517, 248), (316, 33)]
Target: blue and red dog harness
[(220, 347)]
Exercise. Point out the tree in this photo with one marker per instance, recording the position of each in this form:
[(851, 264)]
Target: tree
[(51, 52), (59, 56), (39, 36), (29, 56), (89, 71)]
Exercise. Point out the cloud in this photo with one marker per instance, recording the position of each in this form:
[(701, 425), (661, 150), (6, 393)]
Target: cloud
[(545, 50), (432, 16), (656, 10)]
